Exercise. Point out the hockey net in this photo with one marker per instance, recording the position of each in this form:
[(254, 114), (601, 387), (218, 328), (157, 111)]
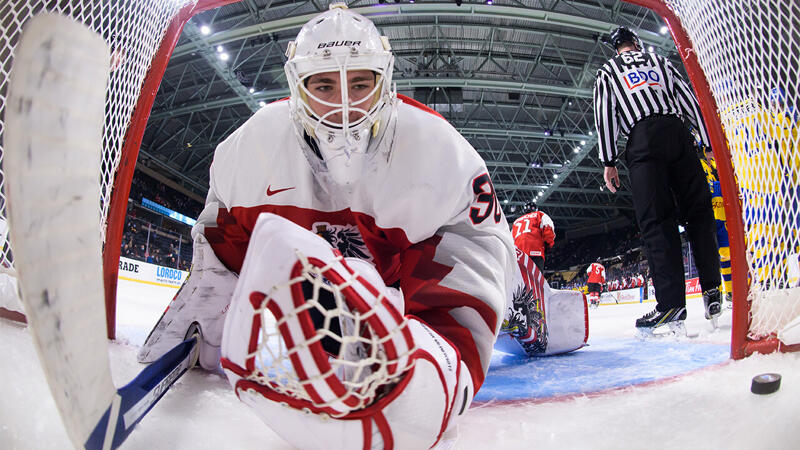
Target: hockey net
[(141, 35), (744, 62)]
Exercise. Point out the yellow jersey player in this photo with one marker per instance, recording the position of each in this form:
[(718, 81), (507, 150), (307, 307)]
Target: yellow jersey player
[(761, 143), (786, 120), (710, 168)]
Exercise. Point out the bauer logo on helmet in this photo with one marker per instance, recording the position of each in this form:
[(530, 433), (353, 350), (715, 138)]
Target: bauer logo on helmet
[(339, 44)]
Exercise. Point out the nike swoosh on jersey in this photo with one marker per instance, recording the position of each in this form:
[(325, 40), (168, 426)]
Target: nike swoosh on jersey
[(270, 192)]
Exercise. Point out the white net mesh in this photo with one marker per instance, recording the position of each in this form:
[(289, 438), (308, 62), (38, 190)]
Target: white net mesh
[(336, 354), (750, 54), (133, 30)]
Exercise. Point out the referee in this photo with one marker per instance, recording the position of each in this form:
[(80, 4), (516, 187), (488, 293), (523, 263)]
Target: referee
[(642, 95)]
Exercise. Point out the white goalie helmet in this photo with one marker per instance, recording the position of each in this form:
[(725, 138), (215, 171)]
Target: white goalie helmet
[(349, 129)]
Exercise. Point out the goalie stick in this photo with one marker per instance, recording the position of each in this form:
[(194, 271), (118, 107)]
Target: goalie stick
[(139, 396), (53, 139)]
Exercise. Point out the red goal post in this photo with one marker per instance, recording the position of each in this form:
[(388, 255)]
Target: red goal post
[(748, 94), (141, 35)]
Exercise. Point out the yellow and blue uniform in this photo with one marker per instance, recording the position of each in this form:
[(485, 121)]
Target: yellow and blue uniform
[(761, 145), (710, 169)]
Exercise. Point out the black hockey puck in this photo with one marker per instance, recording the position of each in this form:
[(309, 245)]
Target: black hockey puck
[(766, 383)]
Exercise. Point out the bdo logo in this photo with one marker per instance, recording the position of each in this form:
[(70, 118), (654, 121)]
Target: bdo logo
[(636, 78)]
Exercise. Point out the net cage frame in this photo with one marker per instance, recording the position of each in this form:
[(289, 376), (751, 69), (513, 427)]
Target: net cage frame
[(117, 175), (743, 343)]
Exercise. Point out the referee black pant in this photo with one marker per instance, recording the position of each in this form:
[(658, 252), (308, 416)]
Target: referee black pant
[(669, 187)]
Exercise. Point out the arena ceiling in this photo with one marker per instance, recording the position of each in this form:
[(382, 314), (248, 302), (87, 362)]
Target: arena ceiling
[(514, 77)]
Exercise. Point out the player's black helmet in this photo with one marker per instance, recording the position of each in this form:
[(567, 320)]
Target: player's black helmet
[(622, 35), (530, 206)]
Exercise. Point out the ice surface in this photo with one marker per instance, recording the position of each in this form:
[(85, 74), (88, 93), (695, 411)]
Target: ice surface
[(677, 405)]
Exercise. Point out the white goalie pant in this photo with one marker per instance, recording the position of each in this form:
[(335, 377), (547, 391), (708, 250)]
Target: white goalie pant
[(403, 389)]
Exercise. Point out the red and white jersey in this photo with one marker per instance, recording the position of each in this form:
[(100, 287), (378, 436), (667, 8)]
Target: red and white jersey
[(596, 273), (424, 212), (532, 232)]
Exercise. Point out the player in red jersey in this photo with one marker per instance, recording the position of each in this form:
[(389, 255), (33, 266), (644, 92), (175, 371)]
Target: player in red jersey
[(596, 274), (534, 233)]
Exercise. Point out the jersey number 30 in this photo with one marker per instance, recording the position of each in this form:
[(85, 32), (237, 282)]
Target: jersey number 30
[(487, 204)]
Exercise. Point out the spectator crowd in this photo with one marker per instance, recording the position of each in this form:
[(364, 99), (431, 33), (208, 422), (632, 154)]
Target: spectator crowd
[(143, 186), (621, 253), (152, 237)]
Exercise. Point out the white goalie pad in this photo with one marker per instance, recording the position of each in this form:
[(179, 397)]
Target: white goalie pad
[(317, 345), (540, 321), (567, 321)]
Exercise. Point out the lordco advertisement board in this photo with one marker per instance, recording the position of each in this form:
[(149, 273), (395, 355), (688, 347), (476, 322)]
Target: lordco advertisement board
[(133, 270)]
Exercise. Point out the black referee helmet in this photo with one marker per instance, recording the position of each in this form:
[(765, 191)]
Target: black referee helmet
[(622, 35)]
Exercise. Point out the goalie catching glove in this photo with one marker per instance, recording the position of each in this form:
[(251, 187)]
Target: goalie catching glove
[(318, 346)]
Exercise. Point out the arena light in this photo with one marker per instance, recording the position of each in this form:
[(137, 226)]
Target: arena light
[(576, 150), (663, 30), (650, 49), (205, 30), (262, 103), (555, 176), (220, 49), (224, 56), (252, 90), (583, 142)]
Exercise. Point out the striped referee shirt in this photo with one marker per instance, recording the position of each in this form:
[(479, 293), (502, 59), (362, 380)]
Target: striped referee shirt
[(632, 86)]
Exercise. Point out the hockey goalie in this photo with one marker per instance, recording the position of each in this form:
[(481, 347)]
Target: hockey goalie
[(352, 264)]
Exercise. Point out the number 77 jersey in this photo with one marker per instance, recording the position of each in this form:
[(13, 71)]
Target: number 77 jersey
[(532, 232)]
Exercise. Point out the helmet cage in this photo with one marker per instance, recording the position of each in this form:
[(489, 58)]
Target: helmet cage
[(300, 68)]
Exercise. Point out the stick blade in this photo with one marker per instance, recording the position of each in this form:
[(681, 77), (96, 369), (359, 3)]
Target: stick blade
[(53, 143)]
